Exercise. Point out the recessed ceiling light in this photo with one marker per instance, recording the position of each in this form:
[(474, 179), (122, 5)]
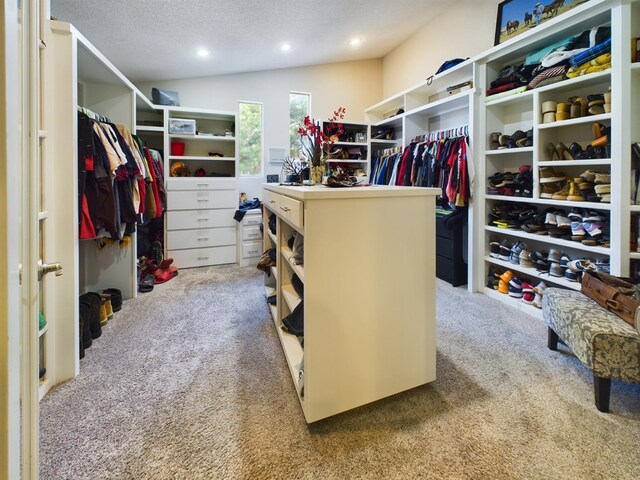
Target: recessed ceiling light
[(285, 47), (202, 52), (355, 41)]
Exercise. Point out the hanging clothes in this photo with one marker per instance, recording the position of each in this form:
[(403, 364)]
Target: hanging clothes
[(114, 172), (436, 160)]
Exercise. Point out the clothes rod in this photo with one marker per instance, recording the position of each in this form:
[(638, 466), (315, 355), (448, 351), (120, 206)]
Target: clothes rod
[(93, 115)]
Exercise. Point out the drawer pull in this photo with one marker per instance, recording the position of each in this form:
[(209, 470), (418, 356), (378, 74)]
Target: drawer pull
[(272, 201), (203, 239), (203, 258), (203, 199), (201, 185), (252, 234), (203, 219), (285, 209)]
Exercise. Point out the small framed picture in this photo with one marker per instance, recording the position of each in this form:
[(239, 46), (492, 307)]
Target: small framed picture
[(518, 16), (361, 137)]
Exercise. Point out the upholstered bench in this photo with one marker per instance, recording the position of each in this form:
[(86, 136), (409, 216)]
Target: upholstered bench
[(604, 343)]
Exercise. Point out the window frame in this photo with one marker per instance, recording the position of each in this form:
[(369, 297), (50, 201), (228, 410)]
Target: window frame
[(309, 111), (262, 166)]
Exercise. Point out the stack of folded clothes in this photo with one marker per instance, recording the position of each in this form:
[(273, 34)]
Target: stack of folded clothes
[(571, 57)]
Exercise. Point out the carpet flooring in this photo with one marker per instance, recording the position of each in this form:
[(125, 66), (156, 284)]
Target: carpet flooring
[(189, 382)]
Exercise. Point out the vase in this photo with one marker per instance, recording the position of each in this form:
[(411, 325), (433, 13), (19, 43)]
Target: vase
[(317, 172)]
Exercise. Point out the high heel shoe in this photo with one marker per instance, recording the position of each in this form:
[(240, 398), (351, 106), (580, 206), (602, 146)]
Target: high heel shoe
[(600, 135), (563, 152), (551, 151)]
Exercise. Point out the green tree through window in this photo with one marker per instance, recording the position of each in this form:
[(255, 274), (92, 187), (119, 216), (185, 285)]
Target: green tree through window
[(250, 138), (299, 107)]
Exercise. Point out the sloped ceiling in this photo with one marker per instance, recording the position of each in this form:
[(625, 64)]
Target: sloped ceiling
[(158, 39)]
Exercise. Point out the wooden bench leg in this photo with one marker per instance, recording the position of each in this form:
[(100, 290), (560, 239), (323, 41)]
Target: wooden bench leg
[(602, 391), (552, 339)]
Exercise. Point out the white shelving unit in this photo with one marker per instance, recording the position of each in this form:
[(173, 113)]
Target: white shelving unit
[(200, 229), (426, 108), (79, 75), (523, 112), (347, 309), (353, 145)]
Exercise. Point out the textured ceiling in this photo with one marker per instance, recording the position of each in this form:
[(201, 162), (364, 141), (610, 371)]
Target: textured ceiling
[(158, 39)]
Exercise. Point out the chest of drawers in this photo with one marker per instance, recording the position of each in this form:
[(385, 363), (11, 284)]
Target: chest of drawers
[(200, 229)]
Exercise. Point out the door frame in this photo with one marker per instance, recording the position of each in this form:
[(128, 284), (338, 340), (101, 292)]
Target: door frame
[(11, 165)]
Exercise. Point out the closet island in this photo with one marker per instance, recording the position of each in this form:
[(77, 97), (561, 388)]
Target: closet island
[(367, 283)]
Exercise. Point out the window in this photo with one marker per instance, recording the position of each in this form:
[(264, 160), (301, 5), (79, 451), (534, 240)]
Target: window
[(299, 107), (250, 138)]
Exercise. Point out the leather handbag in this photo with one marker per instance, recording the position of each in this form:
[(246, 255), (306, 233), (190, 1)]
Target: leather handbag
[(614, 294)]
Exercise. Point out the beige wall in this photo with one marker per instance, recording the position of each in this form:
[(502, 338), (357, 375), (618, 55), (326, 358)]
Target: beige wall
[(463, 30), (353, 85)]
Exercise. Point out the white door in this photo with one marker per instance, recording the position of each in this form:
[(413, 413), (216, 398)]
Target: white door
[(26, 289)]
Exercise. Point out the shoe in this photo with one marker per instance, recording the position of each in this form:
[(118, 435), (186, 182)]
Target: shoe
[(494, 249), (574, 192), (506, 276), (515, 287), (550, 219), (95, 302), (528, 293), (505, 251), (539, 290), (563, 152), (107, 304), (551, 152), (515, 252), (525, 259), (42, 322), (494, 140), (571, 276), (84, 317), (549, 175), (562, 221), (116, 294), (582, 265), (554, 256), (503, 287), (563, 112), (606, 198), (577, 231), (594, 229), (578, 107), (575, 215), (556, 270), (602, 188), (492, 280), (593, 216), (588, 175), (548, 189), (563, 193)]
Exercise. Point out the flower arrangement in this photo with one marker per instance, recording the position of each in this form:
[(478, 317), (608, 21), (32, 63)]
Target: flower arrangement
[(315, 142)]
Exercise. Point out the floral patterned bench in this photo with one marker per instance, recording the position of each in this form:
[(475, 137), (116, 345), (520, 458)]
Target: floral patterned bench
[(604, 343)]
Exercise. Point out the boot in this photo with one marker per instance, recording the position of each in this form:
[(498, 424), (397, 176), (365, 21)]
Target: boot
[(106, 298), (85, 330), (116, 298), (94, 300), (84, 314)]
